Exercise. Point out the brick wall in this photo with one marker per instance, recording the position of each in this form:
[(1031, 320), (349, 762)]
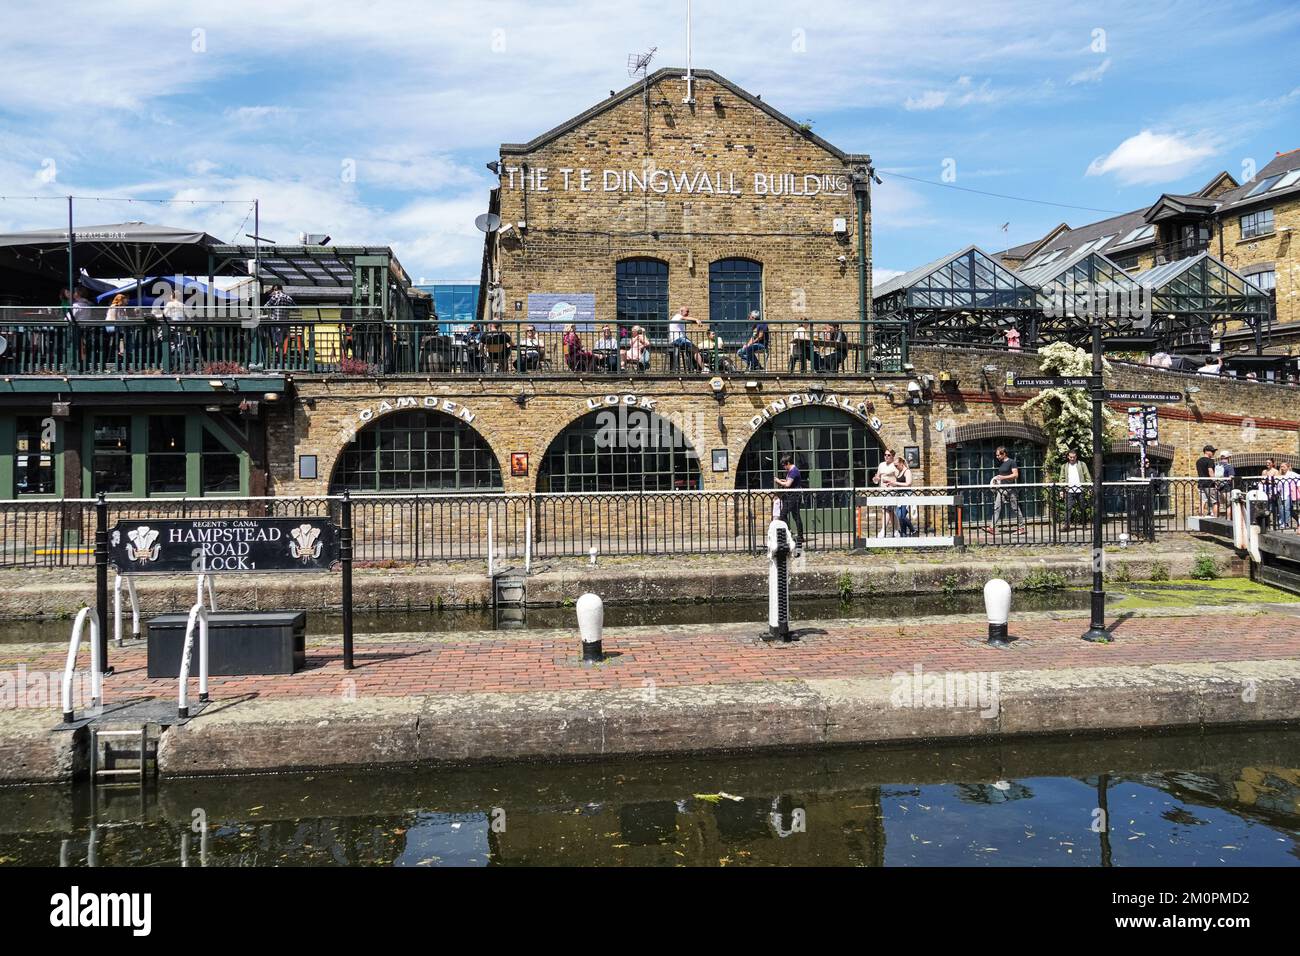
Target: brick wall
[(575, 236), (326, 413), (1278, 248)]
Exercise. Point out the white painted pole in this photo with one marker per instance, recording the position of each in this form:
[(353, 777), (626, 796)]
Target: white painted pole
[(491, 563), (69, 669), (135, 607), (117, 609), (528, 544)]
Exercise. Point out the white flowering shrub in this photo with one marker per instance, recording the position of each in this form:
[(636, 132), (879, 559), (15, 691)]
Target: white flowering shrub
[(1067, 412)]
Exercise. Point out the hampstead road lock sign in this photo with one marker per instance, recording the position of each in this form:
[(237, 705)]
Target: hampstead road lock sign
[(223, 545)]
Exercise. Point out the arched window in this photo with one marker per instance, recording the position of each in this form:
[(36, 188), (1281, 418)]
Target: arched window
[(735, 290), (417, 451), (833, 450), (973, 463), (620, 449), (642, 296)]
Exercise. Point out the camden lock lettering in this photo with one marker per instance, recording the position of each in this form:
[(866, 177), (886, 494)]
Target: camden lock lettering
[(630, 401), (543, 179), (796, 399), (432, 402)]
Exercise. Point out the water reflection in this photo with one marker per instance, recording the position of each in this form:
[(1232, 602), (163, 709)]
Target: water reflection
[(1174, 800)]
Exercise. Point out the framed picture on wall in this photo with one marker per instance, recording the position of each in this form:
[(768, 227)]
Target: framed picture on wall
[(912, 455), (519, 464), (719, 459)]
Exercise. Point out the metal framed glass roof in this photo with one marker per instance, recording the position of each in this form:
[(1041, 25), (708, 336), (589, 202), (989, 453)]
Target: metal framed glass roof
[(1196, 294)]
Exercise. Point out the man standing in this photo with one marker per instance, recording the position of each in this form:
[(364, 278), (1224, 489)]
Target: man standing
[(1205, 482), (680, 342), (1003, 483), (1225, 477), (790, 500), (1075, 476)]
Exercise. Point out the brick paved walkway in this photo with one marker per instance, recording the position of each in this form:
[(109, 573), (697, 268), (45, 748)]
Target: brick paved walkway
[(719, 654)]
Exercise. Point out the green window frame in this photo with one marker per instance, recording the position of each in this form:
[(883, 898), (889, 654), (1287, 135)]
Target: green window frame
[(168, 455), (15, 445)]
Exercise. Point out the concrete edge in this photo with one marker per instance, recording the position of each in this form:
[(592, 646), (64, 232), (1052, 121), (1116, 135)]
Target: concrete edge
[(314, 733)]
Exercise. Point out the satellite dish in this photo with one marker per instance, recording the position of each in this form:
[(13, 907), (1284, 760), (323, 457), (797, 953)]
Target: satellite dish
[(487, 222)]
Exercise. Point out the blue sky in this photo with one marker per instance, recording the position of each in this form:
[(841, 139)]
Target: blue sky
[(371, 121)]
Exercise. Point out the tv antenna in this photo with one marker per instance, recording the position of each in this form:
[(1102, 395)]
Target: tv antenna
[(638, 64)]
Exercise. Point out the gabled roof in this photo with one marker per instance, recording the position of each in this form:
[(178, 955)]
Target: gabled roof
[(1174, 204), (1027, 249), (1047, 273), (673, 72), (915, 276), (1163, 274)]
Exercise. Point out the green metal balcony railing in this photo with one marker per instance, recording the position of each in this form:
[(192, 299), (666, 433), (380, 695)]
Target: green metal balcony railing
[(40, 341)]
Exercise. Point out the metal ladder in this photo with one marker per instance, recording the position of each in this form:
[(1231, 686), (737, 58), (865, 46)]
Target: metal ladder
[(110, 773)]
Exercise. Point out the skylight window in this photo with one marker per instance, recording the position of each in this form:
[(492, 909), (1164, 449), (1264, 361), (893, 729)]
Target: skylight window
[(1264, 185), (1141, 232), (1290, 179)]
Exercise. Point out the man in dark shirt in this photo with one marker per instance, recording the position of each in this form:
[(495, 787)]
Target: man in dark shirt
[(1004, 487), (1205, 482), (790, 500), (757, 343)]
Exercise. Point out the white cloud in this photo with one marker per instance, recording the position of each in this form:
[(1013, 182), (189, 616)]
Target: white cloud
[(963, 92), (1150, 157), (1092, 75)]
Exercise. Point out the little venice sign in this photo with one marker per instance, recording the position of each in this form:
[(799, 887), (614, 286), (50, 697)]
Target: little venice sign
[(223, 545)]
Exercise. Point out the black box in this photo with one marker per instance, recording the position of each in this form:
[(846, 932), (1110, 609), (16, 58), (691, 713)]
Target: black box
[(239, 642)]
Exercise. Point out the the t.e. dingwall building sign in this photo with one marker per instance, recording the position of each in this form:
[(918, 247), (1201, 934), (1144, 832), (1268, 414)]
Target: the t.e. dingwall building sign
[(223, 545)]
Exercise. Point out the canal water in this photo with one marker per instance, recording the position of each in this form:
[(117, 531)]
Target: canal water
[(1171, 800)]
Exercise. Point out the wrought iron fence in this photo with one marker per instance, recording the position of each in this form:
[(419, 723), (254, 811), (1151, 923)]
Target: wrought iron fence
[(420, 529), (362, 341)]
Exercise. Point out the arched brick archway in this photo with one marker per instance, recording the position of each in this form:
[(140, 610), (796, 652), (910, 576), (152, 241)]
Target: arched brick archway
[(622, 447), (416, 449)]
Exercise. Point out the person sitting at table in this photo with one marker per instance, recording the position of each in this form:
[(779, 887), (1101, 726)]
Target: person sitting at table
[(531, 350), (637, 353), (834, 348), (576, 357), (607, 349), (473, 348), (680, 344), (801, 348), (496, 346), (757, 343)]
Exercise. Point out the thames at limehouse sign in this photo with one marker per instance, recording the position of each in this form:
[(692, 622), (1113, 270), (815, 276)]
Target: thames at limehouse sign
[(223, 545)]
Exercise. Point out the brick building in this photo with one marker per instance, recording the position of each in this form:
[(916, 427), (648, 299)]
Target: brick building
[(647, 202), (1248, 226)]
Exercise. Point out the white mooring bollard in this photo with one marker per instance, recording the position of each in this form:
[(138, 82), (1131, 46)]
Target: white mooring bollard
[(779, 548), (591, 624), (997, 601)]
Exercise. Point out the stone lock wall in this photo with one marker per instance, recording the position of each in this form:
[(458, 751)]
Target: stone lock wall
[(712, 174)]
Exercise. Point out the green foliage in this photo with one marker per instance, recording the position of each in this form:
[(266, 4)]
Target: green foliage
[(1205, 568), (1120, 573), (950, 582), (844, 585), (1043, 579), (1159, 571), (1067, 412)]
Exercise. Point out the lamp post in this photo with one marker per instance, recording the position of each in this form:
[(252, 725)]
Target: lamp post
[(1097, 631)]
